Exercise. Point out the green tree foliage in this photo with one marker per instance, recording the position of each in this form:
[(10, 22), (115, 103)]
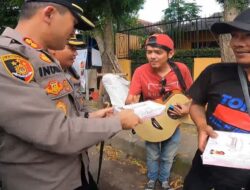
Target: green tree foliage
[(106, 14), (121, 13), (238, 4), (179, 10), (9, 11), (110, 15)]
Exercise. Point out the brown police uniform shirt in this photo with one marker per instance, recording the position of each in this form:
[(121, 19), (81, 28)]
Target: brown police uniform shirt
[(78, 95), (41, 135)]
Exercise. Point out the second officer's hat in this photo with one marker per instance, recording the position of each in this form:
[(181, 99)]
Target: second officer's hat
[(76, 42), (75, 8)]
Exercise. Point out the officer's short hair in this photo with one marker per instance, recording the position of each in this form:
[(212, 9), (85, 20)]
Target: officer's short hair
[(28, 10)]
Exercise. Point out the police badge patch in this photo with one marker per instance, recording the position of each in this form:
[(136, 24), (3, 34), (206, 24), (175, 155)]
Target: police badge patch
[(18, 67), (54, 87)]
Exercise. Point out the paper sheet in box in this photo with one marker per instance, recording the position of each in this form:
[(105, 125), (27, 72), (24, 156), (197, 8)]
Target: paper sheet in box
[(229, 149), (147, 109)]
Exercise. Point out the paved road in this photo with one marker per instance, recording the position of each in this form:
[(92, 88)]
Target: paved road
[(120, 171)]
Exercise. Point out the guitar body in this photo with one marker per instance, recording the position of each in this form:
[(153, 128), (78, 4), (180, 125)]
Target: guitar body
[(163, 126)]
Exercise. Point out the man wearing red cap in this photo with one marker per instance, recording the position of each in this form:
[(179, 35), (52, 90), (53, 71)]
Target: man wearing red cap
[(43, 138), (154, 80), (220, 101)]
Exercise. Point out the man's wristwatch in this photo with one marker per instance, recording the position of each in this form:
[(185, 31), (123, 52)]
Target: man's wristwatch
[(86, 114)]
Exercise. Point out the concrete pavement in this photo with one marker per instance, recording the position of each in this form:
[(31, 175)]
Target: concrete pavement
[(134, 146), (125, 168)]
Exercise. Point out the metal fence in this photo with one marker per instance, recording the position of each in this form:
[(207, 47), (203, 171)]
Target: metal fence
[(189, 34)]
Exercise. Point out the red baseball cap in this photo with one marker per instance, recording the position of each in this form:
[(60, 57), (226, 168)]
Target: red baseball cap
[(160, 40)]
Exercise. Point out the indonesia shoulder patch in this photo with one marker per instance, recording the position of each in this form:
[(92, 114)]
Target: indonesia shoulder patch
[(18, 67)]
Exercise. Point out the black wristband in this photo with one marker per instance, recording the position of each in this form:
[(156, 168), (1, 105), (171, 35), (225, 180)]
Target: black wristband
[(86, 114)]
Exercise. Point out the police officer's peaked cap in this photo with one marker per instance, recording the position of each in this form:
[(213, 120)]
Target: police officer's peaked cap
[(75, 8), (74, 41)]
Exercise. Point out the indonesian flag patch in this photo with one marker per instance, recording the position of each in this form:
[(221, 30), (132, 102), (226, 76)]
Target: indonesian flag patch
[(18, 67)]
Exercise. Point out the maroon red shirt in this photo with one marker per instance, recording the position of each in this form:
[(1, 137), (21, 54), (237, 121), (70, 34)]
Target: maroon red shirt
[(148, 83)]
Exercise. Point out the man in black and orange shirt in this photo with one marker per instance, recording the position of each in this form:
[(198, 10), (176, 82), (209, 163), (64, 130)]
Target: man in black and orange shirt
[(220, 89)]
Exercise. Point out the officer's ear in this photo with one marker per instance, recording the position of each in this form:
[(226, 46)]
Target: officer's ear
[(48, 13), (170, 54)]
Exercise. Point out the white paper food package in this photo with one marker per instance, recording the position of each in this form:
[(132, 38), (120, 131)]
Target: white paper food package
[(147, 109), (117, 89), (229, 149)]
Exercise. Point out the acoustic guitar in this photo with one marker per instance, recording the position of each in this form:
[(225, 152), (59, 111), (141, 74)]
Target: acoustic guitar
[(162, 127)]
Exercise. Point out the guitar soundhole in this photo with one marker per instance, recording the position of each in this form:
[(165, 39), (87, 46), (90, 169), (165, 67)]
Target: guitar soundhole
[(156, 124)]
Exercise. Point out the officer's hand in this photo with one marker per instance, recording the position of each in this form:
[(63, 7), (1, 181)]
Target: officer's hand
[(106, 112), (203, 133), (128, 119)]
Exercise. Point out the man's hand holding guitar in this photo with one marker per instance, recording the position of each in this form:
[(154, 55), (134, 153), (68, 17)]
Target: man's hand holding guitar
[(180, 109)]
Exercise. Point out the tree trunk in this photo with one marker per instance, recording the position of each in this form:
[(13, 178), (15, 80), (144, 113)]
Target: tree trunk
[(98, 35), (105, 41), (108, 46), (227, 55)]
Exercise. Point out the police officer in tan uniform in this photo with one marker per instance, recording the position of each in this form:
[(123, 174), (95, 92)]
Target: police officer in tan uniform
[(66, 57), (42, 138)]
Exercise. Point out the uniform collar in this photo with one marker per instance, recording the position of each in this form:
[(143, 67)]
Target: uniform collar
[(11, 33), (14, 35)]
